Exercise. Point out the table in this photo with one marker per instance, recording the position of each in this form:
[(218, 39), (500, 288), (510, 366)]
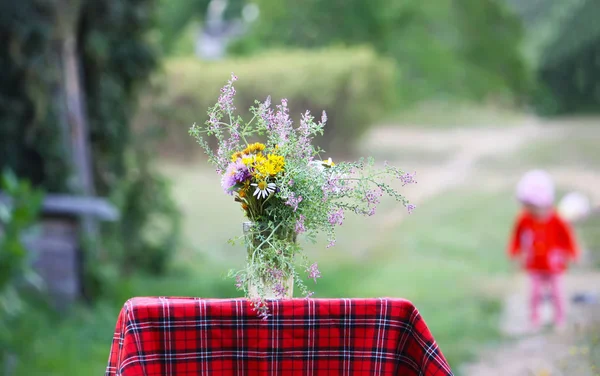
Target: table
[(194, 336)]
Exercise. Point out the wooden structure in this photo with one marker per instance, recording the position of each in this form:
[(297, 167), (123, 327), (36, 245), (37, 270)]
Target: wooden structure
[(56, 249)]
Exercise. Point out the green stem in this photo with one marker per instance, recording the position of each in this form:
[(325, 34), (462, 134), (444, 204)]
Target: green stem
[(265, 241)]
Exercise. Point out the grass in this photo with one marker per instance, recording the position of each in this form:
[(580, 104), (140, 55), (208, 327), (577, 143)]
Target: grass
[(81, 344), (589, 231)]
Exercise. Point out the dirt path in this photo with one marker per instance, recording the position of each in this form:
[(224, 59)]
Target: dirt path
[(543, 354), (466, 147)]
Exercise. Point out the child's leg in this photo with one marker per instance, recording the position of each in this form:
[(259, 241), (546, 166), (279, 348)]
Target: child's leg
[(536, 281), (558, 298)]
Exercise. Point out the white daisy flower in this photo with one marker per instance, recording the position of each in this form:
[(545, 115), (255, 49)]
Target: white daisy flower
[(263, 189)]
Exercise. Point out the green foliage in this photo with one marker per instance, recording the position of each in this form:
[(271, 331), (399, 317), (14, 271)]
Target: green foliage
[(571, 86), (148, 211), (116, 59), (31, 138), (562, 42), (175, 17), (491, 38), (467, 48), (17, 217), (354, 86)]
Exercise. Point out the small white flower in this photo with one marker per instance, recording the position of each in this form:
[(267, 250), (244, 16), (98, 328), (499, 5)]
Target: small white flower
[(321, 165), (263, 189), (328, 163)]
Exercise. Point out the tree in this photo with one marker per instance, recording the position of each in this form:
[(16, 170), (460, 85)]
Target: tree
[(562, 42), (101, 47), (174, 16), (462, 47)]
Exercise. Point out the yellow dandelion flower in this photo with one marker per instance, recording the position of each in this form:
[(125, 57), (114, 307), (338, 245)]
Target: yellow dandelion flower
[(271, 166), (236, 156), (275, 163), (254, 148), (254, 160)]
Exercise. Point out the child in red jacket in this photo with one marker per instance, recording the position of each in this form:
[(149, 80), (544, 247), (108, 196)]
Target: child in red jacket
[(543, 242)]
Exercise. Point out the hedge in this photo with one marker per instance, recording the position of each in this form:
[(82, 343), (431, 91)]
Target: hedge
[(354, 86)]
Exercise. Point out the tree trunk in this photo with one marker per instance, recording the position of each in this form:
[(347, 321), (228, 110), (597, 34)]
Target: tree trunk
[(74, 97)]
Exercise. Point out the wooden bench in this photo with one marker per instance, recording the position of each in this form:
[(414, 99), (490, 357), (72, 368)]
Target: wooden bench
[(56, 247)]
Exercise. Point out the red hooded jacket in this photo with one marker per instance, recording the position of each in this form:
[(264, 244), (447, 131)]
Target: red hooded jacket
[(546, 244)]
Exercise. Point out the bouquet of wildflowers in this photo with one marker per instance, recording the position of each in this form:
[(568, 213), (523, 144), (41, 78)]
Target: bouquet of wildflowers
[(276, 175)]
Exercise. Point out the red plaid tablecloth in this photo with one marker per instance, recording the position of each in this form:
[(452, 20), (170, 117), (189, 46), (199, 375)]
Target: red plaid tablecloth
[(193, 336)]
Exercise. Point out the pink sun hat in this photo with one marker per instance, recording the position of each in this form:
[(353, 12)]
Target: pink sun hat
[(536, 188)]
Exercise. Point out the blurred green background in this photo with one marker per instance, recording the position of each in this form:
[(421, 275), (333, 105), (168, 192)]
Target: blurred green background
[(468, 93)]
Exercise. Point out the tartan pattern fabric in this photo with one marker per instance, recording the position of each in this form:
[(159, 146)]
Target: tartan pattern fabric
[(193, 336)]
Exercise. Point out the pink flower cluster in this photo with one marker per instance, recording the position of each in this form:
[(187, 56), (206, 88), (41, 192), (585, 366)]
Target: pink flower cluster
[(336, 217), (313, 272), (227, 95), (300, 225)]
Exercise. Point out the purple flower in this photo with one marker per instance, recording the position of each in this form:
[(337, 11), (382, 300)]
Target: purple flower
[(234, 140), (276, 273), (331, 187), (239, 282), (213, 122), (280, 290), (293, 201), (373, 197), (407, 178), (266, 113), (262, 310), (236, 172), (300, 225), (323, 118), (281, 122), (222, 160), (410, 208), (331, 243), (227, 94), (305, 137), (336, 217), (313, 272)]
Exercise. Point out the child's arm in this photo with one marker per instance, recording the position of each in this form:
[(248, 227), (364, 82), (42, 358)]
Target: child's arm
[(569, 244), (514, 245)]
